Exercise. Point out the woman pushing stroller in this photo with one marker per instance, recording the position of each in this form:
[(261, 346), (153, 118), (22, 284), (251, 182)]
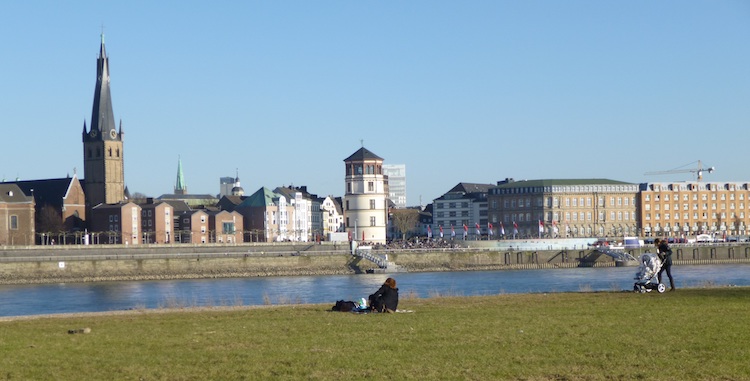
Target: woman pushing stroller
[(665, 254)]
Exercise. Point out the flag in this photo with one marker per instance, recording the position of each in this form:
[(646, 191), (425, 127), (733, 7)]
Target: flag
[(541, 226), (515, 228), (429, 231), (453, 232), (502, 229), (554, 226), (466, 231), (441, 231), (489, 228)]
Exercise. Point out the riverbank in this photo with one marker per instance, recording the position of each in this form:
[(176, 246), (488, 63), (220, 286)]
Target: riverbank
[(100, 264), (570, 336)]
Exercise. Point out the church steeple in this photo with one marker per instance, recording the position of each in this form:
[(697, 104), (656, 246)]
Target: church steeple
[(180, 187), (103, 154), (103, 125)]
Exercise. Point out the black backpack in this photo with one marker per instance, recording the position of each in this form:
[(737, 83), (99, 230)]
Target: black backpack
[(344, 306)]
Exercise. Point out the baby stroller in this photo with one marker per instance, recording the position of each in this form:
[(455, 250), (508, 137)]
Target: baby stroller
[(647, 279)]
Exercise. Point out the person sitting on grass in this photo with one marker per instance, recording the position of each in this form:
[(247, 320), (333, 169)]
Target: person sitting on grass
[(385, 299)]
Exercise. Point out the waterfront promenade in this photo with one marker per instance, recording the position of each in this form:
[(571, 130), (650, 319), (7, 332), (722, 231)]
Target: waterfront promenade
[(74, 263)]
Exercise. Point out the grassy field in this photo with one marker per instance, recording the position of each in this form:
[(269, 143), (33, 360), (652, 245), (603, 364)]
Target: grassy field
[(691, 334)]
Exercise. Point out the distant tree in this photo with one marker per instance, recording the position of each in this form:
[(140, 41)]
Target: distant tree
[(48, 220), (404, 220), (138, 197)]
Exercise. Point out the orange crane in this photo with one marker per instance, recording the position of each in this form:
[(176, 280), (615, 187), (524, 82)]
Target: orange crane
[(697, 170)]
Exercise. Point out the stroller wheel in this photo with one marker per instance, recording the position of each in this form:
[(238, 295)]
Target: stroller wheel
[(661, 288)]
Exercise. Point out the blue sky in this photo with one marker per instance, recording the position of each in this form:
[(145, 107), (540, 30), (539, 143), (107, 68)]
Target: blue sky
[(471, 91)]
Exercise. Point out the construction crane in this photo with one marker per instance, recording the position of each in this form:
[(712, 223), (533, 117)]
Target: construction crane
[(697, 170)]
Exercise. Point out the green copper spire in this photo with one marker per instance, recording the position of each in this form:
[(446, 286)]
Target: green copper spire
[(180, 187)]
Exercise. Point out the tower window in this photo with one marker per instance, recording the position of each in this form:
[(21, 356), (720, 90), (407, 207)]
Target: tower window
[(371, 186)]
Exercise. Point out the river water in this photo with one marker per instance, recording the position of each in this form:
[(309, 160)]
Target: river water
[(22, 300)]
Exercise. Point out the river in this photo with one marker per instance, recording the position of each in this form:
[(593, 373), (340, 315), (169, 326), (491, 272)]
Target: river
[(23, 300)]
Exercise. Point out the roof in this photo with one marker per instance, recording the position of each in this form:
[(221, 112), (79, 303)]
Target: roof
[(263, 197), (230, 202), (553, 182), (12, 193), (363, 154), (102, 117), (46, 191), (471, 188), (178, 205)]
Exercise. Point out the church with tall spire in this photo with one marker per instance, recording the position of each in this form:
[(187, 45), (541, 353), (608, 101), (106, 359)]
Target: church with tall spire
[(103, 154)]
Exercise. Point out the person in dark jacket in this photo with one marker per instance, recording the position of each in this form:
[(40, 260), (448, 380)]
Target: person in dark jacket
[(385, 299), (665, 254)]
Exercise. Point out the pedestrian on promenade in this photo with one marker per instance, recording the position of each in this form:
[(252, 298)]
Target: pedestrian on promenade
[(665, 254)]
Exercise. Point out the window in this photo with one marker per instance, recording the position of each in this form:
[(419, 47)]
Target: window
[(13, 222), (370, 186), (372, 204), (372, 221), (227, 227), (347, 204)]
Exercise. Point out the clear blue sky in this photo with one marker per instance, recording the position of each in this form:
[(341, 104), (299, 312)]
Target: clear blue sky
[(471, 91)]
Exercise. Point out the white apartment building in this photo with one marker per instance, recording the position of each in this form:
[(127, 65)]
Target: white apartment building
[(463, 205)]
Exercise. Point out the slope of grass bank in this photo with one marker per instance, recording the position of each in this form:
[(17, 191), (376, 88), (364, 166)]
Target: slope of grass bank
[(692, 334)]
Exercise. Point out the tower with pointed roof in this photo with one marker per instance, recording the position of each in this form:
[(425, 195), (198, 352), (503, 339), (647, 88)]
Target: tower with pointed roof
[(103, 155), (237, 188), (179, 186), (365, 209)]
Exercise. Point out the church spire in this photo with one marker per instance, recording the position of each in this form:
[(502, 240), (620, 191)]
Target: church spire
[(102, 118), (180, 187)]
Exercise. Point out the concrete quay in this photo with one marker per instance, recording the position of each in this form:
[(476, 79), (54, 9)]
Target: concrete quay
[(69, 264)]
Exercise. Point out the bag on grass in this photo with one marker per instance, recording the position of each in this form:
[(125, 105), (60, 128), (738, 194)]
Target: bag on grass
[(344, 306)]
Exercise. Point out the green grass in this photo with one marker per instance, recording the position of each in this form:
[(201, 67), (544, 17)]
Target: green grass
[(692, 334)]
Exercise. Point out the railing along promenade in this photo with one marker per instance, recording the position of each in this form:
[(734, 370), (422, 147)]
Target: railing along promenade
[(701, 253)]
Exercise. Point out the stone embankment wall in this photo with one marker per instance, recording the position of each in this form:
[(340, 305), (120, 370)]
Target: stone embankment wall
[(112, 263)]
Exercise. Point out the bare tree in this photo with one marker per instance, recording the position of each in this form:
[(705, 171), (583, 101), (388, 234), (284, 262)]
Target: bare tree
[(405, 220), (48, 219), (138, 197)]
